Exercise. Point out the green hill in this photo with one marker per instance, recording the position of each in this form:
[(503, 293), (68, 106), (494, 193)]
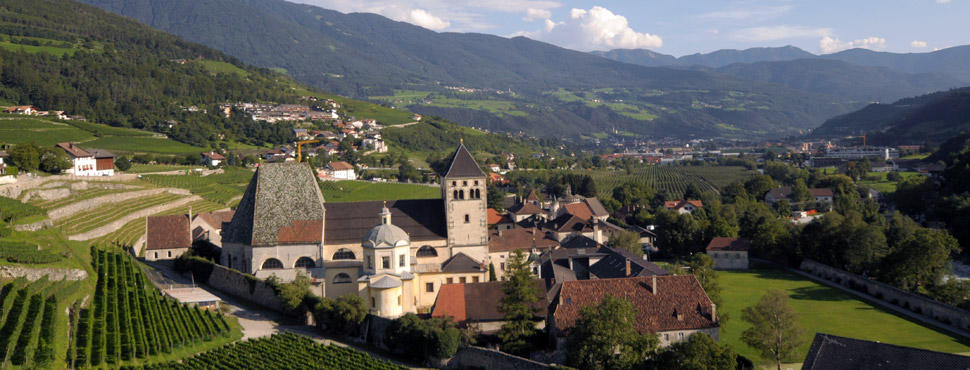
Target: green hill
[(511, 84), (933, 117)]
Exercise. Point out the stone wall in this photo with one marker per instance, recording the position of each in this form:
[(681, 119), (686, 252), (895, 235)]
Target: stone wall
[(944, 315), (32, 274), (244, 287), (490, 359)]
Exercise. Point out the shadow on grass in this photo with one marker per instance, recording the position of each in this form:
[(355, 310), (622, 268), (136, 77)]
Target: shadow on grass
[(820, 293)]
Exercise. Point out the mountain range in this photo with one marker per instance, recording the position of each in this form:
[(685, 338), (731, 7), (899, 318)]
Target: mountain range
[(509, 84)]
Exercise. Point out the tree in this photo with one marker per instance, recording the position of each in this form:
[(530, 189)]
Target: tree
[(517, 305), (774, 328), (894, 176), (605, 337), (342, 316), (423, 339), (123, 164), (491, 272), (799, 192), (628, 241), (26, 157), (291, 294), (495, 197), (53, 160), (920, 259), (702, 267), (700, 351)]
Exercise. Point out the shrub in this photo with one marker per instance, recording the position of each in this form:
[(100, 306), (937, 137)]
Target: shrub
[(423, 339), (341, 316)]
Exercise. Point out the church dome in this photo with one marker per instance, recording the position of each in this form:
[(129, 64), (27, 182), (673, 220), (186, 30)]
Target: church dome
[(386, 236)]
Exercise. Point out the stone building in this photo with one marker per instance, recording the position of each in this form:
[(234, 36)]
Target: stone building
[(395, 254), (729, 253)]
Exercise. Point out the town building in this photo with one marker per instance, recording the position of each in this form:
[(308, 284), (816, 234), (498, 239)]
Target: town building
[(167, 237), (88, 162), (671, 307), (21, 109), (729, 253), (207, 226), (284, 227), (857, 153)]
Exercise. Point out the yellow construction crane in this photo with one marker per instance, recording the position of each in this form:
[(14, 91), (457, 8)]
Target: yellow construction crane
[(299, 148)]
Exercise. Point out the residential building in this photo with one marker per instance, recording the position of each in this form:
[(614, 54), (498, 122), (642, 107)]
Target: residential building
[(820, 195), (501, 244), (21, 109), (88, 162), (208, 226), (729, 253), (167, 237), (341, 170), (476, 305), (212, 159), (684, 205), (671, 307)]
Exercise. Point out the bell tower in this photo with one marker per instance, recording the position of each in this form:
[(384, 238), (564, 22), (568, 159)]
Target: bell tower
[(464, 192)]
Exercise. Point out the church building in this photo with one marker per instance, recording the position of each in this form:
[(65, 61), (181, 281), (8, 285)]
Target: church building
[(395, 254)]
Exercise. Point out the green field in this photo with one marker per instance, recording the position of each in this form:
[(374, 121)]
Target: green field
[(355, 191), (222, 67), (47, 132), (881, 184), (822, 309)]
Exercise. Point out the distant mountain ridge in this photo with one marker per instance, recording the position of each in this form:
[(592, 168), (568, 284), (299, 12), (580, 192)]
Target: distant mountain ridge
[(716, 59), (550, 90), (933, 117)]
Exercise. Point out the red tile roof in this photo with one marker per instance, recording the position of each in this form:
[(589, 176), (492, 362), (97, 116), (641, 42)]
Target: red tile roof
[(478, 302), (74, 150), (216, 219), (494, 217), (580, 210), (729, 244), (525, 209), (214, 156), (168, 232), (341, 166), (521, 238), (679, 302)]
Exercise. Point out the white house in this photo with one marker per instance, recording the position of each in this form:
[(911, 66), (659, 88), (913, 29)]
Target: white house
[(684, 206), (212, 159), (342, 170), (94, 162), (375, 143)]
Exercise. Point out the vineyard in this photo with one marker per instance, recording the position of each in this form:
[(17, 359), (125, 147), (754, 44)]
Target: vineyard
[(128, 235), (225, 188), (672, 179), (22, 252), (279, 351), (14, 211), (129, 321), (30, 321), (100, 216)]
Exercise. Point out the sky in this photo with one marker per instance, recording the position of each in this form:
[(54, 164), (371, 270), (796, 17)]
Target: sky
[(691, 26)]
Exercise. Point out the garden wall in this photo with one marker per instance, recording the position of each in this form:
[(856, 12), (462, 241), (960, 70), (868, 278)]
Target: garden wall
[(944, 315), (483, 358), (238, 284)]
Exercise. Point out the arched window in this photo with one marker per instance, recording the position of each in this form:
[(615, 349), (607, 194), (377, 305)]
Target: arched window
[(478, 193), (305, 263), (344, 254), (454, 194), (461, 194), (426, 251), (272, 264), (341, 278)]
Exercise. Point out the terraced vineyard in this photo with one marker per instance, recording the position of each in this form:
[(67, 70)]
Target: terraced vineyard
[(75, 197), (223, 188), (130, 322), (128, 235), (287, 349), (100, 216), (28, 334)]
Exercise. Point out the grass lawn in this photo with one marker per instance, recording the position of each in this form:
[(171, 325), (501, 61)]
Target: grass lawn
[(881, 184), (141, 144), (46, 132), (354, 191), (822, 309)]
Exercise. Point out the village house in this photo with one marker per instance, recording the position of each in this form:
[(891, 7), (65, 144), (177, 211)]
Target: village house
[(501, 244), (476, 305), (820, 195), (729, 253), (167, 237), (88, 162), (498, 220), (341, 170), (212, 159), (21, 109), (671, 307), (684, 206), (207, 226)]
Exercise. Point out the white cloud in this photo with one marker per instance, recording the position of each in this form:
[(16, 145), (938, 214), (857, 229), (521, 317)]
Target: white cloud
[(829, 44), (424, 19), (918, 44), (774, 33), (759, 13), (942, 1), (595, 29), (460, 15), (532, 14)]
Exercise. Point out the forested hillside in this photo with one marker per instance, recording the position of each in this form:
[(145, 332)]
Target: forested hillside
[(508, 84), (933, 117)]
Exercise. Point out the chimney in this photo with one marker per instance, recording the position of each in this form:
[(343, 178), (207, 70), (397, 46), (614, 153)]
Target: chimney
[(713, 312), (627, 267), (654, 285)]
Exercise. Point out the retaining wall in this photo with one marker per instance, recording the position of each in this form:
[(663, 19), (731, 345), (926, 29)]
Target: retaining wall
[(944, 315), (490, 359), (244, 287)]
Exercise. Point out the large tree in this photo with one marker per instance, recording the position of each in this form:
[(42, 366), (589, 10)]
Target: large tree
[(699, 352), (774, 328), (26, 157), (628, 241), (518, 304), (919, 259), (605, 337)]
